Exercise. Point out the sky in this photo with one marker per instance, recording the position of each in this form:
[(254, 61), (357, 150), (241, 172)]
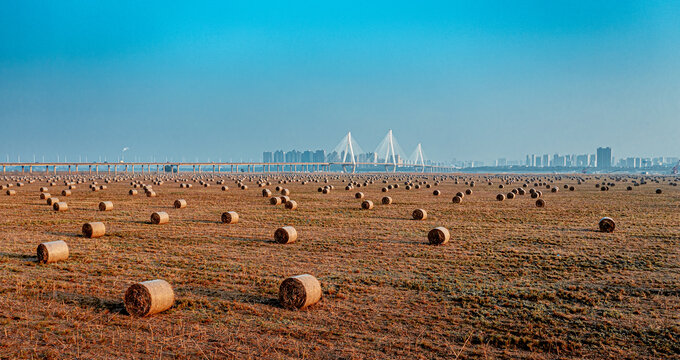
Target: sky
[(226, 80)]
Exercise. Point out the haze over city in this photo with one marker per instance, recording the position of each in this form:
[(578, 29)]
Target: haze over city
[(470, 81)]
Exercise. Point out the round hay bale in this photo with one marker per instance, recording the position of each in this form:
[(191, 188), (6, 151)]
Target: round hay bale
[(52, 200), (53, 251), (501, 186), (299, 292), (540, 203), (457, 199), (607, 224), (275, 200), (629, 188), (244, 187), (291, 205), (159, 218), (386, 200), (408, 187), (534, 195), (43, 189), (436, 193), (105, 206), (500, 197), (511, 195), (285, 199), (285, 192), (132, 192), (230, 217), (60, 206), (285, 235), (266, 193), (359, 195), (367, 205), (72, 187), (180, 204), (419, 214), (555, 189), (385, 189), (66, 193), (150, 193), (468, 192), (658, 191), (438, 236), (11, 192), (572, 188), (45, 196), (225, 188), (326, 190), (94, 229), (149, 297)]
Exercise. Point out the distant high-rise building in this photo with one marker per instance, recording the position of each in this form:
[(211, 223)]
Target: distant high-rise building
[(546, 160), (582, 160), (538, 162), (267, 157), (604, 158), (307, 156), (333, 157), (502, 162), (293, 156), (319, 156), (279, 156)]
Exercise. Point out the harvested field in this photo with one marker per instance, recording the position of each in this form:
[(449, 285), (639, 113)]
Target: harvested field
[(514, 280)]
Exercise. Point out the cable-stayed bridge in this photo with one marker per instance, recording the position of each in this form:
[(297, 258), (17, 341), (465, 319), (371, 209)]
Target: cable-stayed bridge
[(388, 153), (347, 156)]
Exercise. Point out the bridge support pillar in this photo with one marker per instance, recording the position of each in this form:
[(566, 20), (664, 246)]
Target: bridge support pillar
[(69, 169)]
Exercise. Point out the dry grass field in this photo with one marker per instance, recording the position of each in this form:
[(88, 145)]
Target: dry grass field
[(514, 281)]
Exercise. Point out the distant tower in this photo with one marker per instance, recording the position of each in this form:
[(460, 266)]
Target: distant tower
[(390, 149), (419, 155), (604, 158), (348, 149)]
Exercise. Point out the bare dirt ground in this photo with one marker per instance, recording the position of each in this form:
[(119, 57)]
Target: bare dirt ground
[(515, 281)]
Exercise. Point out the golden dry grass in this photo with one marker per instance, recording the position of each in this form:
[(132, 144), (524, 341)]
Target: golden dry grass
[(515, 281)]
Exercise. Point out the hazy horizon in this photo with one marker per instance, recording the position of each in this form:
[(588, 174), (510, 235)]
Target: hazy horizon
[(470, 81)]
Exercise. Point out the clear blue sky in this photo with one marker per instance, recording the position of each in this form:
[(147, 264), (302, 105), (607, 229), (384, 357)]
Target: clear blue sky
[(226, 80)]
